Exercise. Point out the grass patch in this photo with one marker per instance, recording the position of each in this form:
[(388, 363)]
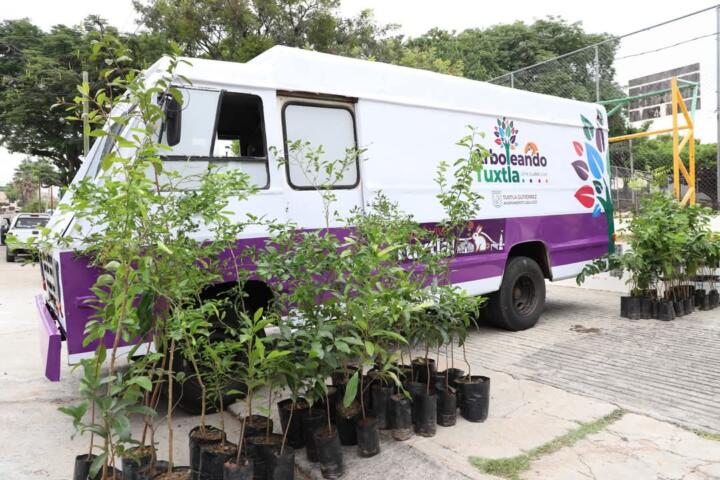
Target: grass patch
[(512, 467), (707, 435)]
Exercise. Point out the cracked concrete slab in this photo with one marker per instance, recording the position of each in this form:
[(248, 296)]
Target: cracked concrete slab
[(636, 447)]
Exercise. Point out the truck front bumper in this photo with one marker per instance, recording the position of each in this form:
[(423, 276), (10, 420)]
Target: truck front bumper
[(50, 341)]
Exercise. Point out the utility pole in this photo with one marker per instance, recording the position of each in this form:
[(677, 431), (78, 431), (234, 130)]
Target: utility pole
[(86, 121), (597, 74), (632, 172), (717, 107)]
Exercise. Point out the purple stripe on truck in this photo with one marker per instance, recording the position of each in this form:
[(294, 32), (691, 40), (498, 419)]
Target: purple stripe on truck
[(49, 341), (568, 239)]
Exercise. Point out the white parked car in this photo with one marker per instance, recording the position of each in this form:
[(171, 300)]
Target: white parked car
[(23, 227)]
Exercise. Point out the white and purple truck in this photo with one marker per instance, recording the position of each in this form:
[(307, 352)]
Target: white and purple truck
[(546, 210)]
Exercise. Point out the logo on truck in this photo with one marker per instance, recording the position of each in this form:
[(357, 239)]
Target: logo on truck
[(590, 167), (510, 164), (594, 194)]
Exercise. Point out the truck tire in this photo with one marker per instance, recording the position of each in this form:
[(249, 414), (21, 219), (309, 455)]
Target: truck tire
[(521, 298), (9, 257), (188, 394)]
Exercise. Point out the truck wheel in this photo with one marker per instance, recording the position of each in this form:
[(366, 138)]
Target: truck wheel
[(9, 257), (188, 393), (521, 298)]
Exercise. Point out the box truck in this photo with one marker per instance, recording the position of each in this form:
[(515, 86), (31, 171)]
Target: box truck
[(546, 209)]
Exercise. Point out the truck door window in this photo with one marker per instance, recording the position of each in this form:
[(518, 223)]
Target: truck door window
[(199, 110), (329, 126), (226, 129), (240, 132), (239, 141)]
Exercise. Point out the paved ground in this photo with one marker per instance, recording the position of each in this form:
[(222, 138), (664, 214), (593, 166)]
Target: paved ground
[(665, 369), (579, 364)]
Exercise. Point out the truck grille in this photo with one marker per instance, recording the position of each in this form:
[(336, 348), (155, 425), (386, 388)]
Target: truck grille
[(50, 270)]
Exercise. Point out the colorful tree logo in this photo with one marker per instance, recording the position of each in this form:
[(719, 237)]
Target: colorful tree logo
[(595, 194), (506, 135)]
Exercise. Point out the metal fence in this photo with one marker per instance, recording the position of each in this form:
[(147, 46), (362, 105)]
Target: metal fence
[(643, 62)]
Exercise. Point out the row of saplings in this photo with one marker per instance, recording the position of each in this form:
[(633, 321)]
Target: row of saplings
[(342, 360), (350, 305), (320, 427), (672, 260)]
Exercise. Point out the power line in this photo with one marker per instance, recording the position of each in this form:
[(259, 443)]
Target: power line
[(667, 46), (608, 40)]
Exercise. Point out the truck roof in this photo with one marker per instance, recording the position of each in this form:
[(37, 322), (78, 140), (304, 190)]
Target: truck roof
[(298, 70)]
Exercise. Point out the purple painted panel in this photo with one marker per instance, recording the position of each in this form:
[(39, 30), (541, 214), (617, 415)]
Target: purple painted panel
[(567, 238), (50, 341), (483, 254), (78, 276)]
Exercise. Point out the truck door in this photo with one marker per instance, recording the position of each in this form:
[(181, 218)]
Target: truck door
[(320, 152)]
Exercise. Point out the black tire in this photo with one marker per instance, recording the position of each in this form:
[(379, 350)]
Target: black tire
[(189, 393), (9, 257), (521, 298)]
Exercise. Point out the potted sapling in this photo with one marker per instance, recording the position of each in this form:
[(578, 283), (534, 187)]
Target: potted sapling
[(194, 337), (256, 364), (474, 389), (217, 358)]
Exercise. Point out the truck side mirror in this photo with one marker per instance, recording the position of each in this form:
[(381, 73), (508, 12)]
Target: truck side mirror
[(173, 120)]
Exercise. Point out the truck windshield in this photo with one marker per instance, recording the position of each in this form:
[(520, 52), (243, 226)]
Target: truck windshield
[(30, 222)]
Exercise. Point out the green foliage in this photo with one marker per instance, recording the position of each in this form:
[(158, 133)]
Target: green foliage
[(652, 153), (488, 53), (142, 231), (29, 177), (669, 244), (239, 31), (37, 68)]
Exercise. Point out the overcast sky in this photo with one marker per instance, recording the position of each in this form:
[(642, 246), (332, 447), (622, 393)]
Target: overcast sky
[(414, 16)]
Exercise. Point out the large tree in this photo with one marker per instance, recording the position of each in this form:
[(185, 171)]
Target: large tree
[(238, 30), (486, 54), (30, 176), (37, 69)]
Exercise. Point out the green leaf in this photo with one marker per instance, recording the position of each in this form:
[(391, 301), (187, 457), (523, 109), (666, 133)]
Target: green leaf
[(388, 333), (260, 347), (104, 279), (141, 410), (317, 351), (342, 346), (107, 161), (121, 425), (369, 348), (97, 464), (143, 382), (384, 252), (163, 247), (351, 390)]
